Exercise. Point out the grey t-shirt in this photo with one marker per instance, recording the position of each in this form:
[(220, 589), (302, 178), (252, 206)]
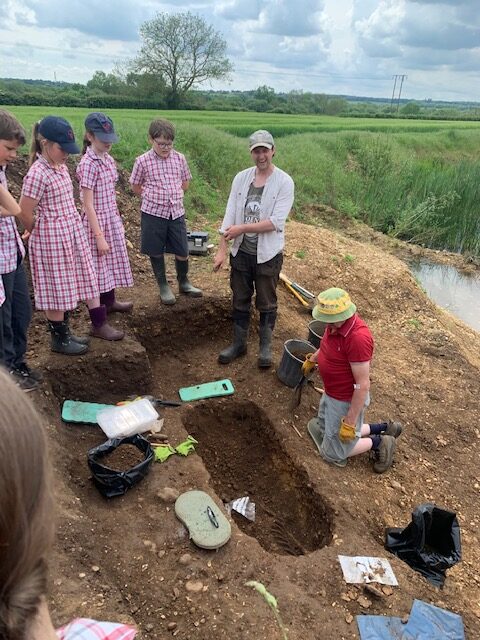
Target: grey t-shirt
[(251, 215)]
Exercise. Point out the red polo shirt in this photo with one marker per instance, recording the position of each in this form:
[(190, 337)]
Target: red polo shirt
[(353, 342)]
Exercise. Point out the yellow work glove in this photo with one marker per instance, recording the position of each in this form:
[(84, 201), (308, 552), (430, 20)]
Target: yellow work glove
[(308, 366), (347, 431)]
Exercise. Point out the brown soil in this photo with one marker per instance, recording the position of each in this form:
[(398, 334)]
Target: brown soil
[(130, 559), (122, 458)]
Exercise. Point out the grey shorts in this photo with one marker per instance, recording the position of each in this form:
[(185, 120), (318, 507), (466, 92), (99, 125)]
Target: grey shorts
[(330, 414), (164, 235)]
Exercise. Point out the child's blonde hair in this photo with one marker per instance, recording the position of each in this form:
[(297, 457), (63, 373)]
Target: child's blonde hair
[(26, 511)]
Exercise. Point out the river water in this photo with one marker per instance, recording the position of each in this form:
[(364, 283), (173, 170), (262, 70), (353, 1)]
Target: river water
[(451, 289)]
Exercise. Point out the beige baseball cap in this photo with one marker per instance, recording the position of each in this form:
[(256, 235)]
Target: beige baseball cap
[(261, 138)]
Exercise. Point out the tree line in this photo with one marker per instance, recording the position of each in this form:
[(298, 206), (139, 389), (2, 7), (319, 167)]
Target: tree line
[(148, 91)]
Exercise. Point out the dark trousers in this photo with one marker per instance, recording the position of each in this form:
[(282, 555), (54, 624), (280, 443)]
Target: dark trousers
[(15, 316), (247, 277)]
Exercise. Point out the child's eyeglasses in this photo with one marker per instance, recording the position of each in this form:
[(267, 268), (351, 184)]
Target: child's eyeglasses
[(164, 145)]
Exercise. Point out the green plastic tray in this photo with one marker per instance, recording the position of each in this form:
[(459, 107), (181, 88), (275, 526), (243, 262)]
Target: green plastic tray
[(207, 390), (82, 412)]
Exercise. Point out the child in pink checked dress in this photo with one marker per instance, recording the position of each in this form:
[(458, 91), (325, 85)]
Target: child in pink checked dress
[(97, 176), (62, 266)]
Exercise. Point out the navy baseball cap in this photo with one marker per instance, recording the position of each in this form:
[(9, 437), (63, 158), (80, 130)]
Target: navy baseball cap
[(101, 126), (58, 130)]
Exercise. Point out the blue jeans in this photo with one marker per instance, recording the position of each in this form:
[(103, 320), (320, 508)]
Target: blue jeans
[(15, 316)]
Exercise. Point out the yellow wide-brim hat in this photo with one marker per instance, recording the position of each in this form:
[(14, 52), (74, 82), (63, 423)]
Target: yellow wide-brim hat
[(333, 305)]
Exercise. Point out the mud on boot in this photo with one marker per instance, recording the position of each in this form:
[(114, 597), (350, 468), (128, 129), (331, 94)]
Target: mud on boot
[(184, 284), (384, 454), (62, 341), (237, 348)]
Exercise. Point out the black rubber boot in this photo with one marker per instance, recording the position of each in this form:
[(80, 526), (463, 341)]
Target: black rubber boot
[(184, 284), (267, 323), (158, 266), (237, 348), (62, 340), (79, 339)]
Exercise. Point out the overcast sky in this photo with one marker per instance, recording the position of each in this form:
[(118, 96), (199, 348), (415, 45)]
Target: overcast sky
[(326, 46)]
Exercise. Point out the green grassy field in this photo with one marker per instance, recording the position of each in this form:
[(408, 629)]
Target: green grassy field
[(416, 180)]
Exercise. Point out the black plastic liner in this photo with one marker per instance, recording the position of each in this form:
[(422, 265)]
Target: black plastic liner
[(113, 483), (430, 544)]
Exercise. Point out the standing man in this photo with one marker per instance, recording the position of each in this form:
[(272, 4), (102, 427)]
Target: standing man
[(343, 359), (260, 200)]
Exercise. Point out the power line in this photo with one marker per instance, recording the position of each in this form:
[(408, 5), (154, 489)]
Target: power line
[(84, 52), (251, 70)]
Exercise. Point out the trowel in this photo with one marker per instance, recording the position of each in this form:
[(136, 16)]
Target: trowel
[(307, 369)]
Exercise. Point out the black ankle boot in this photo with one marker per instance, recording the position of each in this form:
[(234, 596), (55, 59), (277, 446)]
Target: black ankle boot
[(79, 339), (62, 340)]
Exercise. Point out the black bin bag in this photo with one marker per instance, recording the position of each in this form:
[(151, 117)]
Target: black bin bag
[(111, 482), (430, 544)]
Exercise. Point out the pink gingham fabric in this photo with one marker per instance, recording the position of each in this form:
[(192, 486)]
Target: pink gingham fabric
[(10, 241), (100, 175), (62, 266), (161, 179), (86, 629), (2, 293)]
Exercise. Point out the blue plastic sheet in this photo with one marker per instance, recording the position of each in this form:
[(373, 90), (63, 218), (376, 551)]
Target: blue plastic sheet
[(426, 622), (380, 628)]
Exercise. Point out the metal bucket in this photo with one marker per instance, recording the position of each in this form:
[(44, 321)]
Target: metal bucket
[(289, 371), (316, 329)]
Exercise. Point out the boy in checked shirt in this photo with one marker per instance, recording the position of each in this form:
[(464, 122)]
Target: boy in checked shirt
[(161, 176)]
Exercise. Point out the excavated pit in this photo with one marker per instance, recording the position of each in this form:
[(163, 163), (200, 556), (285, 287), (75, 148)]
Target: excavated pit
[(241, 451), (238, 443)]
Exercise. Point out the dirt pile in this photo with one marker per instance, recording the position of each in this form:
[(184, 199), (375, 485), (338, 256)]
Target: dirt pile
[(129, 559)]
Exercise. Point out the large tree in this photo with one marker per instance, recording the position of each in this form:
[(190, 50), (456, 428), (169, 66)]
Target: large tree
[(184, 50)]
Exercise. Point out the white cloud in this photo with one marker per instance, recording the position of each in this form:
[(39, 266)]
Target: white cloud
[(335, 46), (239, 9), (112, 19)]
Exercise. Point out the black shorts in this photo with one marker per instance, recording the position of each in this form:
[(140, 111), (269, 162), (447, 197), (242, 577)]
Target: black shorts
[(164, 235)]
